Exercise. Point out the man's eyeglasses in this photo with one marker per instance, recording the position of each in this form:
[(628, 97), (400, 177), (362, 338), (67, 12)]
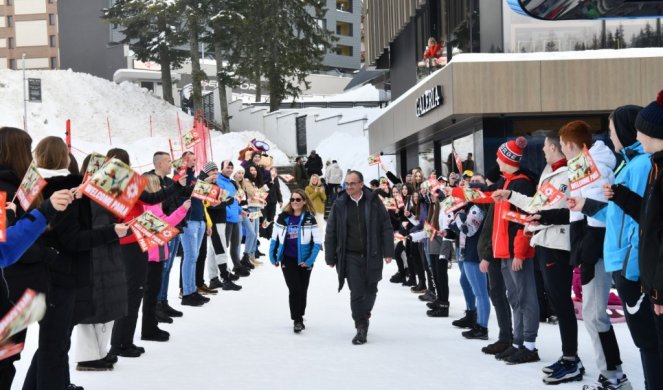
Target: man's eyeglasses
[(353, 183), (293, 200)]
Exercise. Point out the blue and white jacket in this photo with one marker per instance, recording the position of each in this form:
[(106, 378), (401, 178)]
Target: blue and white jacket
[(620, 248), (20, 236), (309, 242)]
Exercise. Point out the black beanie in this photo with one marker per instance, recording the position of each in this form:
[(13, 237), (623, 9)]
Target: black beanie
[(650, 118), (624, 120)]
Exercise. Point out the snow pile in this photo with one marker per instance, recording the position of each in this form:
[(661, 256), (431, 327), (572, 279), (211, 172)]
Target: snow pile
[(352, 153), (139, 122)]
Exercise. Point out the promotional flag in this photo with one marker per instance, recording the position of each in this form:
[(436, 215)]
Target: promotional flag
[(374, 159), (115, 186), (389, 203), (288, 178), (179, 165), (430, 230), (545, 196), (582, 170), (151, 231), (253, 215), (206, 191), (459, 161), (472, 194), (30, 187), (29, 309), (191, 138), (240, 195), (514, 216), (451, 204), (3, 216), (262, 192), (96, 162), (399, 201)]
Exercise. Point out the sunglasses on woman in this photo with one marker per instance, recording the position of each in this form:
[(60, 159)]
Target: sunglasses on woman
[(293, 200)]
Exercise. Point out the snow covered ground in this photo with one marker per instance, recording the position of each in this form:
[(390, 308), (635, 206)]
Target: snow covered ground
[(244, 340)]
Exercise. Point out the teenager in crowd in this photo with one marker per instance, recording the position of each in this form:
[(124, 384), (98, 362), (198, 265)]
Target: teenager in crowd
[(647, 211), (440, 246), (397, 221), (255, 204), (209, 174), (156, 257), (587, 235), (295, 244), (552, 252), (246, 225), (72, 236), (234, 213)]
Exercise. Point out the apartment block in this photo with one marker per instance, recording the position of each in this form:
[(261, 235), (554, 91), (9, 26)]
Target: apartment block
[(343, 19), (28, 27)]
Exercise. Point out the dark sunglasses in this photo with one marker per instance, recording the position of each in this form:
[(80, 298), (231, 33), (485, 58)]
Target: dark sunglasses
[(296, 200)]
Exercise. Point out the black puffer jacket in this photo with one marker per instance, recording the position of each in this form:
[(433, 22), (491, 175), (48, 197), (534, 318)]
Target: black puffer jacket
[(109, 282)]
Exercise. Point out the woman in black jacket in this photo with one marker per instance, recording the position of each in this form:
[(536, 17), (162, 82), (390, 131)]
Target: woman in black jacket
[(71, 235), (30, 271)]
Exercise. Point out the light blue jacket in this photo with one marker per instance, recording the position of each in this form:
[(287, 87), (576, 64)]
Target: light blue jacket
[(233, 210), (620, 248), (308, 244)]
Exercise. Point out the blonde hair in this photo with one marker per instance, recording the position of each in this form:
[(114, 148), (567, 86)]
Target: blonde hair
[(153, 183), (314, 176)]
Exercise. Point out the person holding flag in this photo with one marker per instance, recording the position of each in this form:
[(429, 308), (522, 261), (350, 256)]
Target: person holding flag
[(552, 251)]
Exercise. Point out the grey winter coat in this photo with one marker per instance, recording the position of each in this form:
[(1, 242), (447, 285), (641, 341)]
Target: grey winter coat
[(109, 282), (380, 236)]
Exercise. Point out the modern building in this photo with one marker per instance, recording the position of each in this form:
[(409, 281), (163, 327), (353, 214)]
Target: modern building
[(477, 100), (30, 28), (343, 19)]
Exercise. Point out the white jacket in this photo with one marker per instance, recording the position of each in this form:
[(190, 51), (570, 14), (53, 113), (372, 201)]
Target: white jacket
[(605, 161), (548, 236), (334, 174)]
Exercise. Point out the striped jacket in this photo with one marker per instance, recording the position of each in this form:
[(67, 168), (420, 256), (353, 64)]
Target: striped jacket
[(309, 242)]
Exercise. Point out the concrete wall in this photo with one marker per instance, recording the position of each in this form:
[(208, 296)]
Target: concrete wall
[(279, 126)]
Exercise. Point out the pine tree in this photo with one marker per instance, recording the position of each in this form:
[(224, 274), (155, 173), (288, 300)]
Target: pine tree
[(282, 40), (620, 43), (152, 29)]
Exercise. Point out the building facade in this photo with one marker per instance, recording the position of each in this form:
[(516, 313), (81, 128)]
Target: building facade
[(30, 28), (513, 88), (343, 19)]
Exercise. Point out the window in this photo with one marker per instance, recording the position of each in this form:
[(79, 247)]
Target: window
[(12, 64), (51, 41), (54, 62), (10, 43), (10, 21), (51, 19), (343, 50), (344, 29), (8, 2), (344, 5)]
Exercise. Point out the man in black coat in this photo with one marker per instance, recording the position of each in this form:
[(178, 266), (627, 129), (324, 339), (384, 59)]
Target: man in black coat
[(359, 235)]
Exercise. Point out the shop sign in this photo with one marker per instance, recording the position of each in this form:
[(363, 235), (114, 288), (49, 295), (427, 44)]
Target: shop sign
[(429, 100)]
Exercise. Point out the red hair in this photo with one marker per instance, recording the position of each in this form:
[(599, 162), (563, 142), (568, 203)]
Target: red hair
[(578, 132)]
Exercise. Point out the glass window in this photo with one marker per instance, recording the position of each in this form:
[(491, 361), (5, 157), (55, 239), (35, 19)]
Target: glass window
[(54, 62), (51, 40), (51, 19), (344, 29), (344, 5), (10, 21), (10, 43), (344, 50)]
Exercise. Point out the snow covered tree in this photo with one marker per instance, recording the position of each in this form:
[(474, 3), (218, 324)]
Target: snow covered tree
[(152, 29)]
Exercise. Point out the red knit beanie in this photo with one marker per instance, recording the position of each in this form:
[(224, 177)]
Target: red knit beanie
[(511, 152)]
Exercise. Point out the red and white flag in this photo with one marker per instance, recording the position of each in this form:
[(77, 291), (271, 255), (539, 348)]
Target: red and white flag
[(115, 186), (30, 187)]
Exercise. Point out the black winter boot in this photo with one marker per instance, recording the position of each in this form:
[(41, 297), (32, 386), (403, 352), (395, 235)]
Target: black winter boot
[(246, 262), (478, 333), (440, 311), (468, 321)]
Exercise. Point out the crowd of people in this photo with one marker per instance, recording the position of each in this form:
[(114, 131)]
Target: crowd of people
[(514, 251)]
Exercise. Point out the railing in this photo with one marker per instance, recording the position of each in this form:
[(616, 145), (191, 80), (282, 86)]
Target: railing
[(290, 105)]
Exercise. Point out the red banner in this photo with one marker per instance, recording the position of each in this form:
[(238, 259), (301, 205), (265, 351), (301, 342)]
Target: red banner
[(115, 186), (451, 204), (582, 170), (206, 191), (3, 216), (30, 187), (546, 195), (374, 159), (514, 216), (151, 231)]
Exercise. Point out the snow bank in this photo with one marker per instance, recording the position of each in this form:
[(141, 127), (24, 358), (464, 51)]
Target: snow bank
[(93, 104)]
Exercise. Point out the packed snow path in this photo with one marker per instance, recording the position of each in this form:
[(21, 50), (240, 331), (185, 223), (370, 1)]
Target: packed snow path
[(244, 340)]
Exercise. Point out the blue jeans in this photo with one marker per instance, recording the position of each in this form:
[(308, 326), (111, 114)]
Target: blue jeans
[(250, 233), (192, 237), (479, 282), (468, 293), (173, 245)]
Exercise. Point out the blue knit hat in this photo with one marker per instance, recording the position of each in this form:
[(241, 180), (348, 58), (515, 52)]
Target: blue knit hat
[(650, 118)]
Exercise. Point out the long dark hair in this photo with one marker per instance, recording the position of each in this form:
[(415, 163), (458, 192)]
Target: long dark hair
[(119, 154), (434, 213), (15, 150), (308, 206)]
